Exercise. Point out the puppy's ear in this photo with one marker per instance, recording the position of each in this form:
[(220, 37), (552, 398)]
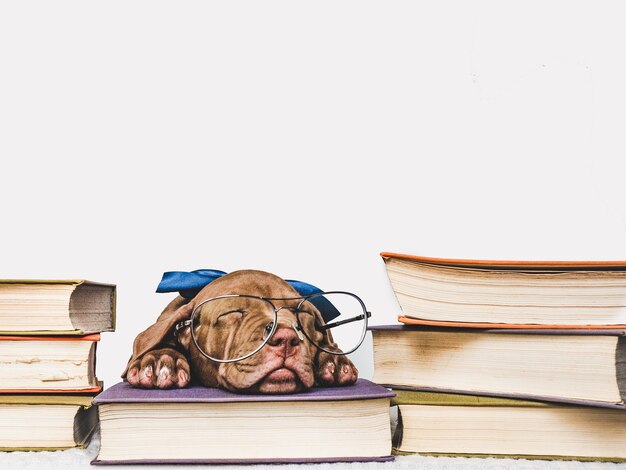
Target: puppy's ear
[(161, 333)]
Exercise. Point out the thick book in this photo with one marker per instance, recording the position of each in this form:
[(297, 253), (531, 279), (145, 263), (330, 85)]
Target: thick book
[(46, 422), (572, 366), (209, 425), (48, 364), (55, 307), (508, 294), (475, 426)]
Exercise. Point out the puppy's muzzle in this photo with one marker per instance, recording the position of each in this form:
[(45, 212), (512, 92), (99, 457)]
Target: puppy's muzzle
[(286, 340)]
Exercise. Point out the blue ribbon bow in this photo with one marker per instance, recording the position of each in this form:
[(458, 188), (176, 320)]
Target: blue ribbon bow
[(188, 284)]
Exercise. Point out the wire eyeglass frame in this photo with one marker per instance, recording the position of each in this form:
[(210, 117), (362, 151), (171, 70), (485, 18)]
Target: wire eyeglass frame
[(274, 323)]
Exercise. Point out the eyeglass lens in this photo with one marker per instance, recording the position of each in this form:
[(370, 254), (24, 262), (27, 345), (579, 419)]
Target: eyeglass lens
[(347, 329), (253, 319)]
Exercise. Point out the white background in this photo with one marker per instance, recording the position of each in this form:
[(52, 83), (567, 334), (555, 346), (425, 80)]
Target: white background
[(303, 139)]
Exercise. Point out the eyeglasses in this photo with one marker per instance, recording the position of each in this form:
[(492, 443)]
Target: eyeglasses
[(238, 326)]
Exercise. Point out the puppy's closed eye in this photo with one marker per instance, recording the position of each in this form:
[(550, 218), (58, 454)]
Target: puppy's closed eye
[(228, 319), (230, 315)]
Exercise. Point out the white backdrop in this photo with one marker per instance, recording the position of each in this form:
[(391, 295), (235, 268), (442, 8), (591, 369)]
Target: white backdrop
[(303, 139)]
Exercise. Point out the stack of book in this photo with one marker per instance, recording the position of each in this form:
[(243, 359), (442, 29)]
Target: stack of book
[(49, 330), (505, 358)]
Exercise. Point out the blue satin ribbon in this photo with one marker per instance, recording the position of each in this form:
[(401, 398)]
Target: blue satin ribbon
[(188, 284)]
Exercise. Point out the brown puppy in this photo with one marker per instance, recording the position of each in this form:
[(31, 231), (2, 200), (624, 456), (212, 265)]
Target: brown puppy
[(287, 363)]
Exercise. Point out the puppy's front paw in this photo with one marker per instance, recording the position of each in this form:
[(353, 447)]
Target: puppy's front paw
[(333, 370), (161, 368)]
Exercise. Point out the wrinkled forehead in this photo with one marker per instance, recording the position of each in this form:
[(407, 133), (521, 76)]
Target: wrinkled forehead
[(236, 303), (250, 304), (248, 282), (241, 304)]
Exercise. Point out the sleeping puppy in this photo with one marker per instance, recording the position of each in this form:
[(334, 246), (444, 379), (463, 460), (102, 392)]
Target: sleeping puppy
[(287, 363)]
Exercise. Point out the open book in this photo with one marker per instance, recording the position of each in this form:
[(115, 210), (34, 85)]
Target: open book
[(509, 294)]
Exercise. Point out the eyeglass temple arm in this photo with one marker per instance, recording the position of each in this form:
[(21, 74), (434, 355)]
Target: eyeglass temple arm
[(343, 322), (180, 325)]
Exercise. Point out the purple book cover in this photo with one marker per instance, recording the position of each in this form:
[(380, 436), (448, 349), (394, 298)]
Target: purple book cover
[(239, 462), (123, 393)]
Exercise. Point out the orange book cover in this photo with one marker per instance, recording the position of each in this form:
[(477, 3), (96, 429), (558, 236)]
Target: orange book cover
[(94, 337), (529, 264)]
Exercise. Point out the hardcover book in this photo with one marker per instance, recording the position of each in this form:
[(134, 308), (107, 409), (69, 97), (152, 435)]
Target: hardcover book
[(574, 366), (46, 422), (48, 364), (209, 425), (508, 294), (473, 426), (56, 307)]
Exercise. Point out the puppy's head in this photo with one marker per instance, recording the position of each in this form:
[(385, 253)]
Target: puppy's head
[(234, 327)]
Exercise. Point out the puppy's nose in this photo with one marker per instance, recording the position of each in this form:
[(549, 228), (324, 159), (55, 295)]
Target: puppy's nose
[(285, 341)]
